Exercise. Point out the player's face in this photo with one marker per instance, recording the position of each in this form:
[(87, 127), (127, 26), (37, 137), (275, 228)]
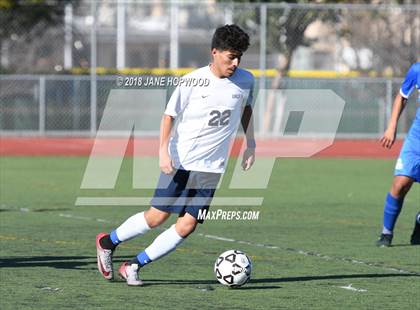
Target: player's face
[(225, 62)]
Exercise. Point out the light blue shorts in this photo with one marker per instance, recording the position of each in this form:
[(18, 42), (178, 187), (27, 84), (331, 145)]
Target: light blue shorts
[(408, 163)]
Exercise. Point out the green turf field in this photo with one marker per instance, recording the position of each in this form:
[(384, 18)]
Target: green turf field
[(315, 235)]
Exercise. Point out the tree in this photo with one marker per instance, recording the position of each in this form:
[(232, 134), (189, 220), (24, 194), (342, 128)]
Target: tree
[(391, 36), (286, 25), (286, 28), (22, 22)]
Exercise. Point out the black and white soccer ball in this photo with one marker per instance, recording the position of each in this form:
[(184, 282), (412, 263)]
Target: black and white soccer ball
[(233, 268)]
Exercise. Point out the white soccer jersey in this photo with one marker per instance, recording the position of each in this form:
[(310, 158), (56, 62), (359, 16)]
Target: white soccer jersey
[(207, 118)]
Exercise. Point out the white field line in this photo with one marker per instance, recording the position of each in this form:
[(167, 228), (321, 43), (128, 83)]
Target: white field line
[(267, 246), (52, 289), (145, 201), (83, 218), (312, 254), (351, 288)]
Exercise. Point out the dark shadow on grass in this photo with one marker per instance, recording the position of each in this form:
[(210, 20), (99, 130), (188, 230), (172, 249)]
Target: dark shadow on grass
[(208, 284), (60, 262), (150, 282), (404, 245), (51, 209), (250, 287)]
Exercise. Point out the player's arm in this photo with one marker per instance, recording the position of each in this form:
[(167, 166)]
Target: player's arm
[(174, 106), (165, 161), (248, 126), (388, 138)]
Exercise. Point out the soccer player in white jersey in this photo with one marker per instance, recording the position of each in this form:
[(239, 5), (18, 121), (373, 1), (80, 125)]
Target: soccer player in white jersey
[(192, 155)]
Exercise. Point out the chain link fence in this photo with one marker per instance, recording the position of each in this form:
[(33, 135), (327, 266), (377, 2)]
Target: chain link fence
[(61, 104), (364, 49)]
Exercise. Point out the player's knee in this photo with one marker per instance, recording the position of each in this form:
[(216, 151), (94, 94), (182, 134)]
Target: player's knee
[(154, 222), (400, 188), (154, 219), (185, 229)]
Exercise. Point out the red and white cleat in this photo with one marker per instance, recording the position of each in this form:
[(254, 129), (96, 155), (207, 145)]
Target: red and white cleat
[(104, 257), (130, 274)]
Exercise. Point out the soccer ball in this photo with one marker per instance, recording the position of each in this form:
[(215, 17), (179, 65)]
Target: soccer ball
[(233, 268)]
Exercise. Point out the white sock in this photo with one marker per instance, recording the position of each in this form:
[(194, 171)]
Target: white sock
[(134, 226), (386, 231), (165, 243)]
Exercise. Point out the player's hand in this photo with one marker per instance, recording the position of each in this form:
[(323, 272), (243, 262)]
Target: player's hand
[(165, 163), (248, 158), (388, 138)]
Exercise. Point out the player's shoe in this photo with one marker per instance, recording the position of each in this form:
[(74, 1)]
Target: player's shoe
[(104, 258), (384, 240), (415, 236), (130, 272)]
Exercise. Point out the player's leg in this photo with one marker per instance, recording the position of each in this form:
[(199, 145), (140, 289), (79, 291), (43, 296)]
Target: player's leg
[(415, 236), (393, 204), (167, 241), (164, 244), (136, 225), (194, 190), (169, 187), (169, 197), (407, 171), (185, 225), (197, 196)]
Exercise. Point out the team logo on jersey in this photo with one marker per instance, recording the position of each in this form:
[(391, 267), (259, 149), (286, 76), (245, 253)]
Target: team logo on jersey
[(399, 165), (236, 96)]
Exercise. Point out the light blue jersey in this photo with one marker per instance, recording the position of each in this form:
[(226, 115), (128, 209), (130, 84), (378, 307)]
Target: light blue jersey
[(408, 163)]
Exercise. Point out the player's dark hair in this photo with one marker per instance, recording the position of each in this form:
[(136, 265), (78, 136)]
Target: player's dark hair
[(230, 37)]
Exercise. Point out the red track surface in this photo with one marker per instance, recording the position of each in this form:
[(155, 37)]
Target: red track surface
[(19, 146)]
